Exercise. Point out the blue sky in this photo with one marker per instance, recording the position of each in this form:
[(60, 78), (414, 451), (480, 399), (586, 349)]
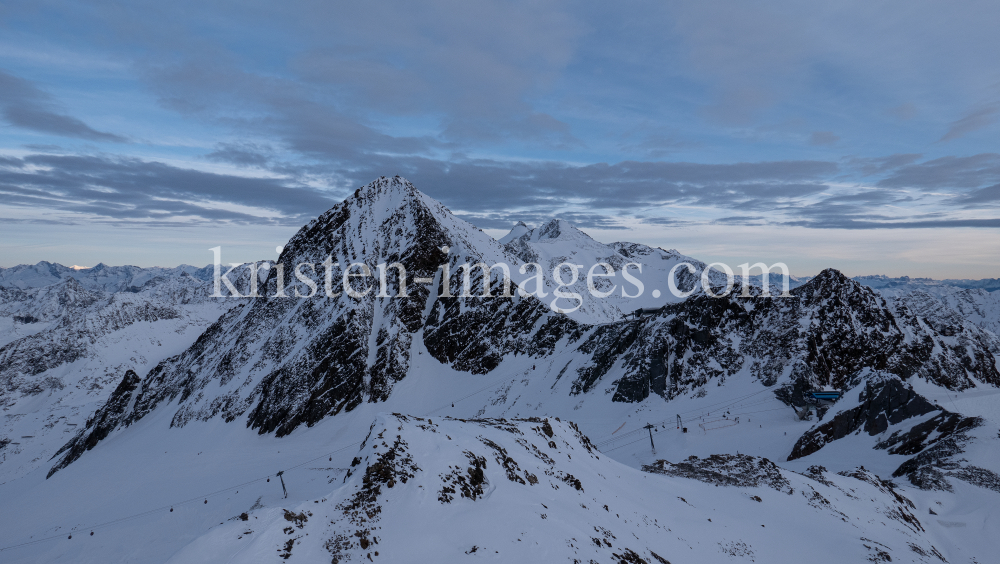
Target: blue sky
[(858, 135)]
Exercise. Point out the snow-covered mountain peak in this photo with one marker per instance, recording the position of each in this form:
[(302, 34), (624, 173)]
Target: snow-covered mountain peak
[(557, 230), (385, 220), (519, 229), (386, 194), (832, 284), (556, 240), (374, 215), (68, 294)]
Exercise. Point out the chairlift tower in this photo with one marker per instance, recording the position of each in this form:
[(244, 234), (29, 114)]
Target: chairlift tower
[(279, 474), (649, 427)]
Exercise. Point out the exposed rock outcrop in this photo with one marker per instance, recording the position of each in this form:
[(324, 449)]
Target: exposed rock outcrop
[(884, 403)]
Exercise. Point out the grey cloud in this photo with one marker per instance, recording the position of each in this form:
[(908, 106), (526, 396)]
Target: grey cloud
[(664, 221), (978, 119), (131, 189), (869, 198), (244, 154), (42, 147), (134, 189), (18, 220), (756, 196), (654, 145), (877, 165), (947, 173), (22, 104), (474, 63), (841, 208), (274, 108), (988, 195), (11, 162), (488, 193), (741, 220), (848, 223), (472, 66), (625, 185), (752, 56)]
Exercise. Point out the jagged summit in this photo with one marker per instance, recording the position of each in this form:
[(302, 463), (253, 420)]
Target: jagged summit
[(389, 220), (830, 277), (831, 289), (557, 238)]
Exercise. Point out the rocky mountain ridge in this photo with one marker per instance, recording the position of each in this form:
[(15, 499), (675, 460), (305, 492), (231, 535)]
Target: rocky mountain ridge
[(278, 363)]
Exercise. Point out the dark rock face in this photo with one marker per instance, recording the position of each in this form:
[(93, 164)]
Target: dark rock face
[(937, 444), (738, 470), (942, 425), (101, 423), (888, 402)]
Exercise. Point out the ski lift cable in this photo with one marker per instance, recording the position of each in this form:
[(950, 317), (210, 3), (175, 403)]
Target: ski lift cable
[(639, 440), (611, 440), (494, 384), (727, 404)]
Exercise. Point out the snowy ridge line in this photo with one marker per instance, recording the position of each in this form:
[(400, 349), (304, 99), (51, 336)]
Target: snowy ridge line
[(494, 384), (728, 403)]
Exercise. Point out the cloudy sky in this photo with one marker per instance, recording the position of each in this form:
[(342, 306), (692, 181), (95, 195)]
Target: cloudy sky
[(855, 134)]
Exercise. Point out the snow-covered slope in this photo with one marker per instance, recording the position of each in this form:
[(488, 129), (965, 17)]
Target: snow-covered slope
[(448, 490)]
